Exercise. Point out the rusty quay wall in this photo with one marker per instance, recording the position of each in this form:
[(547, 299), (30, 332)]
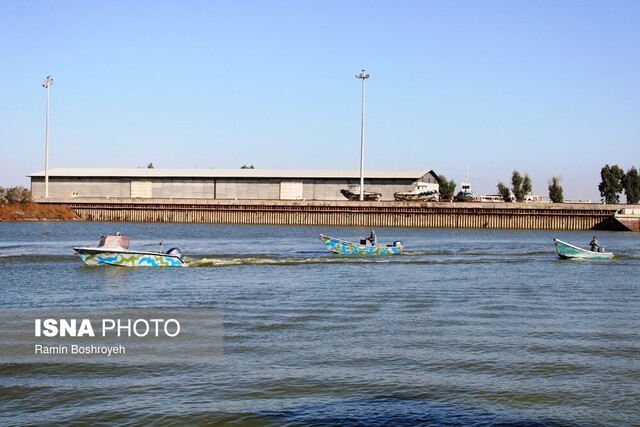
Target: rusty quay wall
[(535, 216)]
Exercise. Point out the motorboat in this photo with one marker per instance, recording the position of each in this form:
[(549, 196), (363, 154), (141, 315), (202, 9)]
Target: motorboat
[(568, 251), (343, 247), (114, 250)]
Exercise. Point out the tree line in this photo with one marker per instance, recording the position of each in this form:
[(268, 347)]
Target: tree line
[(614, 181), (17, 194), (520, 188)]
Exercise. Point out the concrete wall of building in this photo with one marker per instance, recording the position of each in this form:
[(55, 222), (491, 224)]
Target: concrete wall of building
[(248, 189), (182, 188), (210, 188), (71, 187)]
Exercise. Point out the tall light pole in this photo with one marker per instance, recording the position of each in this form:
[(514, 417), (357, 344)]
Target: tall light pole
[(362, 76), (47, 84)]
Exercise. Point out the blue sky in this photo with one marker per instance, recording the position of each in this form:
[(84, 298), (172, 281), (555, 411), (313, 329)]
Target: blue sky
[(550, 88)]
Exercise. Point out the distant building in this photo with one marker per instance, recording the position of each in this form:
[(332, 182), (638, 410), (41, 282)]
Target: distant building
[(235, 184)]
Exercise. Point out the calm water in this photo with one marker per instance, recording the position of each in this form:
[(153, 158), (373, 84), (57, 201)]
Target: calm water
[(469, 327)]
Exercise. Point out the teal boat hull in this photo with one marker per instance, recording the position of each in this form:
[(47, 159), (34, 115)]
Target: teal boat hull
[(568, 251), (343, 247)]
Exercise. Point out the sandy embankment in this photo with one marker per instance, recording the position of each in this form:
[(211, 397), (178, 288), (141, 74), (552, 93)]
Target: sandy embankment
[(36, 212)]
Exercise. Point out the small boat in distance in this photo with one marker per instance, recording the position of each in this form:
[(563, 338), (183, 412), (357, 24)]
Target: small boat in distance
[(343, 247), (568, 251), (114, 250), (465, 194), (368, 196), (423, 192)]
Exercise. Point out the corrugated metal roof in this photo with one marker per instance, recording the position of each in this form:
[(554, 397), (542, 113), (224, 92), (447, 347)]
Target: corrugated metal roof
[(233, 173)]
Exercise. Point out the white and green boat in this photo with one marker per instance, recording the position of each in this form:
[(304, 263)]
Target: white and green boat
[(568, 251), (114, 250)]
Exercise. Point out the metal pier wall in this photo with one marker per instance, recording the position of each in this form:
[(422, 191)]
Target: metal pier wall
[(368, 214)]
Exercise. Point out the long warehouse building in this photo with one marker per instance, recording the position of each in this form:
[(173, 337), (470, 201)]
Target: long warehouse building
[(233, 184)]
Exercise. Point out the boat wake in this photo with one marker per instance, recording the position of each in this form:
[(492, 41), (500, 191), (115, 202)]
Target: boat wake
[(320, 258), (262, 260), (416, 257)]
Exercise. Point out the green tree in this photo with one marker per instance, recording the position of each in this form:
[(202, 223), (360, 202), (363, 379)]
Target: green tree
[(13, 194), (521, 186), (17, 194), (631, 185), (25, 195), (526, 184), (447, 188), (555, 191), (516, 186), (504, 191), (611, 185)]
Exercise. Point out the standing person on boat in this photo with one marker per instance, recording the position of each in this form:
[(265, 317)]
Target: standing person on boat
[(372, 238), (594, 244)]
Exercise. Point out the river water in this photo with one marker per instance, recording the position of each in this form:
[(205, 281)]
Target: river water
[(468, 327)]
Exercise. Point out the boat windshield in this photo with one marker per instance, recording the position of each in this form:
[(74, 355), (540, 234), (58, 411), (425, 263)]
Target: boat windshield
[(115, 241)]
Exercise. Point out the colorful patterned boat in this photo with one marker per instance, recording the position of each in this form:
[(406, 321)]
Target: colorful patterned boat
[(568, 251), (342, 247), (114, 250)]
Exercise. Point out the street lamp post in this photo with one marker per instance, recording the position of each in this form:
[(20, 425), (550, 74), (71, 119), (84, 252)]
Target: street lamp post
[(362, 76), (47, 84)]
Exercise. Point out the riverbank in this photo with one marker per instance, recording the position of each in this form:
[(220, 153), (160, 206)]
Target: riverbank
[(36, 212)]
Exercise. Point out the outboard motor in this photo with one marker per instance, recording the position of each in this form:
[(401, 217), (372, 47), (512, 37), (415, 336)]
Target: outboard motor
[(174, 252), (398, 244)]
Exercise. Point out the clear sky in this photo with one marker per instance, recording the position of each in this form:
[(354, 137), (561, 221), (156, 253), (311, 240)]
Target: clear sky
[(550, 88)]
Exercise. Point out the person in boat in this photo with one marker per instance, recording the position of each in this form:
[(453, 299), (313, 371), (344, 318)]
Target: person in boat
[(594, 244), (372, 238)]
